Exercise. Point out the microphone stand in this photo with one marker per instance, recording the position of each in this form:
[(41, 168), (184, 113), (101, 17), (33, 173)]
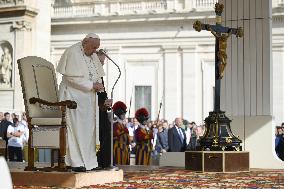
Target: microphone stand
[(110, 112), (130, 103)]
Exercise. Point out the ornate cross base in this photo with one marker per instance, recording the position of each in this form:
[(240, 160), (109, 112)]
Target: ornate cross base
[(218, 135)]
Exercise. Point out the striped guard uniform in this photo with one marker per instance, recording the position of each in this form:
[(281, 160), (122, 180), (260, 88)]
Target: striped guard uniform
[(144, 147), (120, 144)]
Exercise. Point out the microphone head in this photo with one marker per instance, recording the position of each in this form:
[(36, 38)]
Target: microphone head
[(101, 51)]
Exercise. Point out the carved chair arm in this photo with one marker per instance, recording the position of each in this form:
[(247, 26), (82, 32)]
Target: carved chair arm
[(67, 103)]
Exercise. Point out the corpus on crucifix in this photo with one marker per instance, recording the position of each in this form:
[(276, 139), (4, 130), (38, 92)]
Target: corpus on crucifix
[(218, 134)]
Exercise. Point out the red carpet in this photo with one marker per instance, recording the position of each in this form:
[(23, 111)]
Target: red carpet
[(173, 178)]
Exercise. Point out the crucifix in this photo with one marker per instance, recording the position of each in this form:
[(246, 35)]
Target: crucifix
[(221, 34), (218, 134)]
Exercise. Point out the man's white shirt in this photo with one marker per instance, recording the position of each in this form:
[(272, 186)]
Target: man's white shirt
[(16, 141)]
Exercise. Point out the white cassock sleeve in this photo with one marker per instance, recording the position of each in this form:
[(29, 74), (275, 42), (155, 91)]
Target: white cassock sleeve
[(80, 83)]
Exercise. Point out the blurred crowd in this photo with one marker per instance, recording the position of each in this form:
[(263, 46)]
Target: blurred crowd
[(175, 136), (279, 141), (160, 130), (14, 131)]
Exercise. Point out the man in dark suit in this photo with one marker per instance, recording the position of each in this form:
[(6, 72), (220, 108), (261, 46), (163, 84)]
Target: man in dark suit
[(3, 129), (104, 153), (177, 137), (162, 144)]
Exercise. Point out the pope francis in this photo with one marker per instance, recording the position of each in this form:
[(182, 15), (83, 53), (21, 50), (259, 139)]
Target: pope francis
[(81, 78)]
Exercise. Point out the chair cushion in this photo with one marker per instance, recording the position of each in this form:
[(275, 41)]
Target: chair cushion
[(46, 137), (46, 121)]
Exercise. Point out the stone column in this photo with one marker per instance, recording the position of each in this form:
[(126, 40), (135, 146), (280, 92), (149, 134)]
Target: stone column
[(172, 75), (17, 21), (191, 84), (278, 80), (23, 47), (254, 121)]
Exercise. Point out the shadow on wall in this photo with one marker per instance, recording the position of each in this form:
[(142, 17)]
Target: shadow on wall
[(258, 137)]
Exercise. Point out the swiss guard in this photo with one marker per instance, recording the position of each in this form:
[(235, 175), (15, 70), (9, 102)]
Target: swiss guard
[(120, 136), (143, 136)]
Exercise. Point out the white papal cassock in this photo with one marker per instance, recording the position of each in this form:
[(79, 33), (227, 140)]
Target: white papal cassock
[(79, 72)]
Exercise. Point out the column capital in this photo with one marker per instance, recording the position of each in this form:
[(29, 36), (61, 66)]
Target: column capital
[(187, 48), (21, 26), (170, 48)]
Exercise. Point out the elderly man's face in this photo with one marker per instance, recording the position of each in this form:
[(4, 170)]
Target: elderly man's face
[(178, 122), (90, 45)]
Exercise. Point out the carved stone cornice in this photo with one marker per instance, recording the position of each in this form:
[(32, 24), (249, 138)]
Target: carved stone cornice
[(17, 10), (21, 26)]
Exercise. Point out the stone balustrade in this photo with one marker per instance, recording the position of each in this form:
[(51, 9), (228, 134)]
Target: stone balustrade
[(129, 7), (277, 3)]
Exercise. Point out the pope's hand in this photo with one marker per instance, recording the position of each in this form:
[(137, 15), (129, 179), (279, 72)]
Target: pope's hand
[(98, 86), (108, 103)]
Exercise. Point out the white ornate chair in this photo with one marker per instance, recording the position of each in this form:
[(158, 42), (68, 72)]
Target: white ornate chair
[(45, 114)]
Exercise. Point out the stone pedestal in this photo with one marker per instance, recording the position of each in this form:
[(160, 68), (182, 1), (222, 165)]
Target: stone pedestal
[(217, 161), (64, 179), (172, 159)]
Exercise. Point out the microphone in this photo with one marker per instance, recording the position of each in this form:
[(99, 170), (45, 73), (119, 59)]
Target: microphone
[(101, 51)]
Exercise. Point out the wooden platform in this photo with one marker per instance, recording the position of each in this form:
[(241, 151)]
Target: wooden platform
[(217, 161), (61, 179)]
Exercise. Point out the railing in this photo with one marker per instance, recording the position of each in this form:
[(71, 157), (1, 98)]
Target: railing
[(205, 4), (277, 3), (128, 7)]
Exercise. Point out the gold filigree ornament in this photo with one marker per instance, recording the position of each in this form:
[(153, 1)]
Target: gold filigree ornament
[(237, 148), (219, 8), (97, 147), (228, 140), (215, 141), (240, 32), (197, 25)]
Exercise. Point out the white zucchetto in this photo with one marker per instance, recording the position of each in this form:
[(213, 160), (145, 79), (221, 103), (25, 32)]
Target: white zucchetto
[(92, 35)]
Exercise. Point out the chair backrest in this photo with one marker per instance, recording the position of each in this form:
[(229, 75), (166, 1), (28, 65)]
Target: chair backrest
[(38, 80)]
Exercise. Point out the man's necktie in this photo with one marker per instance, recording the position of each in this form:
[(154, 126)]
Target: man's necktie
[(180, 135)]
